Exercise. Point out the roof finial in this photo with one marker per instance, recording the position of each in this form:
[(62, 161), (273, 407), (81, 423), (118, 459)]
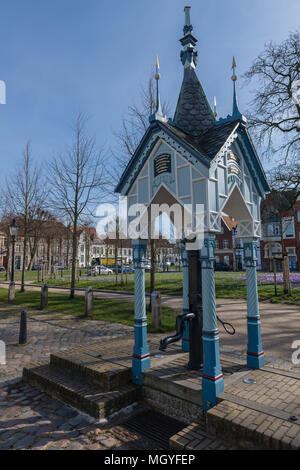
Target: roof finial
[(234, 77), (188, 28), (188, 56), (215, 107), (157, 115), (235, 109)]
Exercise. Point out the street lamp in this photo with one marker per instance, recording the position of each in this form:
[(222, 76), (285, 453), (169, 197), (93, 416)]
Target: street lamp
[(13, 230)]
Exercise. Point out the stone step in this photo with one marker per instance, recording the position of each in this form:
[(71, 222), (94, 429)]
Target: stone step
[(194, 437), (176, 384), (108, 375), (250, 428), (83, 395)]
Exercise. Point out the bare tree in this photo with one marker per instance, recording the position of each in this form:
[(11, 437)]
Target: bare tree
[(24, 196), (133, 127), (38, 228), (77, 179), (275, 116), (286, 177)]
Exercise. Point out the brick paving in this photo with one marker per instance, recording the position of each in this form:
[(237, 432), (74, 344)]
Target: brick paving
[(47, 333), (31, 419), (280, 325)]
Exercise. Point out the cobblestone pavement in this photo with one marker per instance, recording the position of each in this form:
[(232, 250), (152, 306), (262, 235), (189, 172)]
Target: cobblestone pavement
[(31, 419), (280, 326), (47, 333)]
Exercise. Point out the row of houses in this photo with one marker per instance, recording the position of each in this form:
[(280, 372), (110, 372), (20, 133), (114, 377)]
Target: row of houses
[(280, 233), (57, 251)]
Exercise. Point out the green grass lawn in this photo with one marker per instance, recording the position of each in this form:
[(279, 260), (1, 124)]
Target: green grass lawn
[(104, 309), (230, 285)]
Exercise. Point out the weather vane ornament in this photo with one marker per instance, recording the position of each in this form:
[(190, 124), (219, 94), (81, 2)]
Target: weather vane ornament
[(188, 56), (158, 114)]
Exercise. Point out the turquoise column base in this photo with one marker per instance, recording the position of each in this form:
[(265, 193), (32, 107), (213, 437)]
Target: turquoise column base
[(255, 354), (141, 356), (212, 378), (185, 342)]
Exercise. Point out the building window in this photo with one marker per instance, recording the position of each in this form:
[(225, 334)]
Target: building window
[(18, 248), (225, 244), (298, 215), (273, 249), (216, 244)]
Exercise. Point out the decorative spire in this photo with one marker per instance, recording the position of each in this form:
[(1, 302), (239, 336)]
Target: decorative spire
[(215, 107), (235, 109), (158, 114), (193, 114), (188, 55)]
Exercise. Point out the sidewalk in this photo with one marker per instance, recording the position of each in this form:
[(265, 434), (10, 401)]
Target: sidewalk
[(280, 325)]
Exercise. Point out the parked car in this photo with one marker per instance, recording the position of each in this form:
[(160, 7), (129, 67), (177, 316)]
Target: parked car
[(222, 267), (35, 267), (91, 271), (126, 270), (104, 270), (2, 268)]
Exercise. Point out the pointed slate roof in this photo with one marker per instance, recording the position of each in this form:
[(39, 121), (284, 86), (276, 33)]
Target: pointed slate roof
[(214, 138), (193, 113)]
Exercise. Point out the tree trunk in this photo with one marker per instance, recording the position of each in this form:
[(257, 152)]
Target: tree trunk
[(152, 270), (74, 256), (275, 277), (287, 288)]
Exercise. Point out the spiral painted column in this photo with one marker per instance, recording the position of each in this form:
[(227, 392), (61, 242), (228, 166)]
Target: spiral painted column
[(255, 354), (141, 356), (212, 379), (185, 295)]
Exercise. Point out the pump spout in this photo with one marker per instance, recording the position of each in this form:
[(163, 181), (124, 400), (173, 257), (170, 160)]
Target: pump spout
[(179, 331)]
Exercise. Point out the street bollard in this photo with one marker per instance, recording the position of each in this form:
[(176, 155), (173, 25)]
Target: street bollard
[(89, 299), (23, 328), (44, 297), (11, 291), (156, 309)]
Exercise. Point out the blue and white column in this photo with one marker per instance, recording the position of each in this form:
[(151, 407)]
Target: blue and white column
[(255, 354), (185, 344), (212, 378), (141, 356)]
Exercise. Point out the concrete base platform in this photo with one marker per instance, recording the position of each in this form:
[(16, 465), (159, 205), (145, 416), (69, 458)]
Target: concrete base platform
[(258, 408)]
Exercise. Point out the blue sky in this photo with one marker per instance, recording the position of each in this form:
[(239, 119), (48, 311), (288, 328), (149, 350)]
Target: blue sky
[(60, 57)]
